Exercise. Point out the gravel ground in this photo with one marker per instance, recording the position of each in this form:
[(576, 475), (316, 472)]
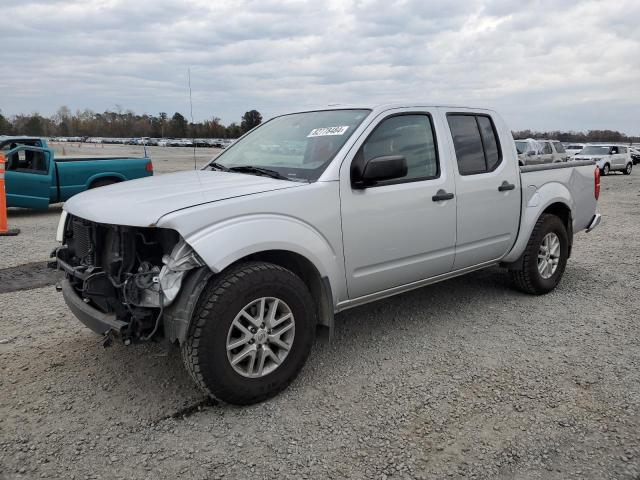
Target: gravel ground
[(464, 379)]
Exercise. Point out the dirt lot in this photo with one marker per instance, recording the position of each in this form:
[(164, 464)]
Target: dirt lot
[(465, 379)]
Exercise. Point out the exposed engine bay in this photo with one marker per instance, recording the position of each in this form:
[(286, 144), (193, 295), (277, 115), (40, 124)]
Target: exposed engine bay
[(133, 273)]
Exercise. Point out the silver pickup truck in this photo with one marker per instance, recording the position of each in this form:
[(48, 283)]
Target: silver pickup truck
[(309, 214)]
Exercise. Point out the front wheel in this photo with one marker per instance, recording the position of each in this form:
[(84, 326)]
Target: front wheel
[(627, 171), (250, 334), (606, 169), (544, 258)]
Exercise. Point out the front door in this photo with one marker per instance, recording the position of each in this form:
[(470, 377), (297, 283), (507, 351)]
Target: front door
[(27, 177), (487, 189), (399, 231)]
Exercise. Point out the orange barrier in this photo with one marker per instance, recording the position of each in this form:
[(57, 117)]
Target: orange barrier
[(4, 228)]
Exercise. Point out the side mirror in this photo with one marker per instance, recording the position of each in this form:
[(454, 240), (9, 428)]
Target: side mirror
[(382, 168)]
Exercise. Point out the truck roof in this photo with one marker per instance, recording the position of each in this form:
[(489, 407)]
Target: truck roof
[(381, 107), (4, 138)]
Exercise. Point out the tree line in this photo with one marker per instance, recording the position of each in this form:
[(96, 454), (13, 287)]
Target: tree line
[(591, 136), (121, 123)]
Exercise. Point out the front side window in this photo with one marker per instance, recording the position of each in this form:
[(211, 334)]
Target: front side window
[(410, 136), (298, 146), (623, 149), (476, 143), (27, 161), (546, 150)]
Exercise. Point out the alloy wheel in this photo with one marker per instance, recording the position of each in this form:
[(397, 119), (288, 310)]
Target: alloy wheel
[(549, 255), (260, 337)]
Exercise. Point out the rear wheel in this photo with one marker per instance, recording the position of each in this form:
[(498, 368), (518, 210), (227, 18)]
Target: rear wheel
[(251, 333), (544, 258), (627, 171), (103, 182)]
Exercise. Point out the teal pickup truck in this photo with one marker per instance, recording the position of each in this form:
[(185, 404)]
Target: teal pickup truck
[(34, 178)]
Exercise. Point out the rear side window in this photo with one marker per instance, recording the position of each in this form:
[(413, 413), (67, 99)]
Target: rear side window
[(476, 143), (559, 147)]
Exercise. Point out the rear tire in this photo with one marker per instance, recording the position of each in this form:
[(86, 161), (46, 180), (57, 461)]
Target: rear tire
[(627, 171), (103, 182), (529, 278), (219, 322)]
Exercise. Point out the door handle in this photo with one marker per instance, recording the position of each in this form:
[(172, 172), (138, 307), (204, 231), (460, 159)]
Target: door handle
[(442, 195), (506, 186)]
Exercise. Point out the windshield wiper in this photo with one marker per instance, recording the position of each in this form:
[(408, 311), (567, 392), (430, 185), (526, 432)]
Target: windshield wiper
[(217, 166), (250, 169)]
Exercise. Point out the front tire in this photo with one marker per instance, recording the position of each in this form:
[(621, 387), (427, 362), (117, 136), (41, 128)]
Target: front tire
[(627, 171), (606, 169), (251, 333), (545, 257)]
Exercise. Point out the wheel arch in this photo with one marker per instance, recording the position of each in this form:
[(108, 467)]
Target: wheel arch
[(105, 176), (553, 198), (319, 286)]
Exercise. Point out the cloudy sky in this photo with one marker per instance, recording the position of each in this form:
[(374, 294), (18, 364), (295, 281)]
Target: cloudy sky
[(544, 64)]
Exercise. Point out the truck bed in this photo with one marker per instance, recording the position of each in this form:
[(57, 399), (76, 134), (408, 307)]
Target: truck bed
[(570, 183)]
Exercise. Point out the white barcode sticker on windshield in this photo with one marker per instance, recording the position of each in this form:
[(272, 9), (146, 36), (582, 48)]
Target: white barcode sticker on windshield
[(324, 131)]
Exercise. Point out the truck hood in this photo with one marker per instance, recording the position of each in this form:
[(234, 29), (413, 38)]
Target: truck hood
[(142, 202)]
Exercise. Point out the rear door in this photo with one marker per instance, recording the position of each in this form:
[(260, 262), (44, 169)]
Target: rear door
[(623, 154), (547, 153), (487, 187), (28, 178), (560, 154), (398, 231)]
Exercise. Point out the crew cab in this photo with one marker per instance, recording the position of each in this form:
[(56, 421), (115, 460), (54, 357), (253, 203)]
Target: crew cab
[(608, 157), (310, 214), (35, 178)]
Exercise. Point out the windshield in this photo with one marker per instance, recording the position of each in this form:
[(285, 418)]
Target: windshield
[(593, 150), (297, 146), (575, 147)]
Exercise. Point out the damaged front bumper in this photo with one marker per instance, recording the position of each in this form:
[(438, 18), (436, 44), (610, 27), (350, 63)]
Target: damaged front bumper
[(118, 281), (101, 323)]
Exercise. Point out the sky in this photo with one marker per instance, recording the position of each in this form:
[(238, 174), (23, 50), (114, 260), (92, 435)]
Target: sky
[(544, 65)]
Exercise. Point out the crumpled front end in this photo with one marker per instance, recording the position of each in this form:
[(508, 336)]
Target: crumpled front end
[(121, 279)]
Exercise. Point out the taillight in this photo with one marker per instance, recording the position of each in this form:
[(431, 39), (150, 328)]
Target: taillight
[(149, 167), (596, 188)]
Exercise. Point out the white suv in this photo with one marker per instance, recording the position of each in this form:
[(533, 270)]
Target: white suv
[(608, 157)]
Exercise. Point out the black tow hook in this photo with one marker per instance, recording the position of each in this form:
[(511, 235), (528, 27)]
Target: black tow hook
[(107, 341), (53, 264)]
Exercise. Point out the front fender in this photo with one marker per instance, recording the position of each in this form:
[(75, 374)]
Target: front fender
[(537, 202), (226, 242)]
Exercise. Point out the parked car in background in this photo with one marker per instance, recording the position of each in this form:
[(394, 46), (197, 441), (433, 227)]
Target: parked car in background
[(242, 261), (573, 148), (608, 157), (534, 152), (635, 154), (34, 178)]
